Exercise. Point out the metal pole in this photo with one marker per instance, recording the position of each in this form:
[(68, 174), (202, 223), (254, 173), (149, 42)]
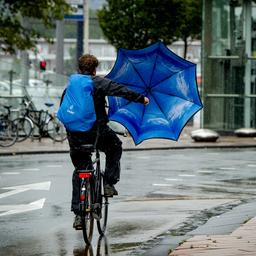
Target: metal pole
[(59, 46), (24, 68), (79, 42), (248, 49), (86, 25)]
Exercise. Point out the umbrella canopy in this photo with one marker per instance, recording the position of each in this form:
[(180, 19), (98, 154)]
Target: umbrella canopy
[(167, 80)]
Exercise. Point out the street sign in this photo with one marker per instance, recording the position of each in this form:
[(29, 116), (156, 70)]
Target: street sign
[(75, 17)]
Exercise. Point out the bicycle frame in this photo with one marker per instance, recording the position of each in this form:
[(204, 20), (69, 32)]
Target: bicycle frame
[(91, 200)]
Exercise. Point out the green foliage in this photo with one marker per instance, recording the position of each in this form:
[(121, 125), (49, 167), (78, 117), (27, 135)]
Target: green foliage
[(191, 19), (18, 16), (137, 23)]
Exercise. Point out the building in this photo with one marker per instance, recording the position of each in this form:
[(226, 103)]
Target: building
[(229, 64)]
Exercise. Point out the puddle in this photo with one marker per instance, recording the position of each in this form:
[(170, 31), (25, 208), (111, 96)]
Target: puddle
[(180, 233)]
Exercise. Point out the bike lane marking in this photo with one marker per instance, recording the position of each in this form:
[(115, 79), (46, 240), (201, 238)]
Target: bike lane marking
[(21, 208), (10, 173), (22, 188)]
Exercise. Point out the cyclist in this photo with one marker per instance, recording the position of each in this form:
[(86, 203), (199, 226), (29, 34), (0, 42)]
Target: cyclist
[(108, 142)]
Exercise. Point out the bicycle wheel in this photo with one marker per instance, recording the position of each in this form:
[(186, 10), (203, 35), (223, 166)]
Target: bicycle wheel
[(87, 214), (24, 127), (102, 222), (8, 133), (56, 130), (102, 210)]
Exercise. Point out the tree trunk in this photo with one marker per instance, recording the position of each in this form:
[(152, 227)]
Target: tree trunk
[(185, 47)]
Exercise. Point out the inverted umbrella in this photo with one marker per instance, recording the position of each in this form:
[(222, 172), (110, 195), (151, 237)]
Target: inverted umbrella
[(167, 80)]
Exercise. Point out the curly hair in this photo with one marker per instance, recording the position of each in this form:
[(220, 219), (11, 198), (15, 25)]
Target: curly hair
[(87, 63)]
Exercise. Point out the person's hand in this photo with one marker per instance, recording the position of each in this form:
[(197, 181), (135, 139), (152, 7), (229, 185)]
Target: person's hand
[(146, 100)]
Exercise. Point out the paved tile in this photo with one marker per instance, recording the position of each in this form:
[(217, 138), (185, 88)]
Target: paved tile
[(240, 242)]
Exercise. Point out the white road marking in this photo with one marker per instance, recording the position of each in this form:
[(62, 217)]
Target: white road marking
[(20, 208), (251, 165), (187, 175), (162, 185), (10, 173), (54, 166), (30, 169), (227, 168), (22, 188), (170, 179), (204, 171)]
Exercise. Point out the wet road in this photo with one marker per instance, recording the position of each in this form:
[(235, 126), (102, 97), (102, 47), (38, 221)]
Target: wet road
[(158, 190)]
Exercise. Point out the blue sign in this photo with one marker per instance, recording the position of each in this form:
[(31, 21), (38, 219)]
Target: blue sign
[(75, 17)]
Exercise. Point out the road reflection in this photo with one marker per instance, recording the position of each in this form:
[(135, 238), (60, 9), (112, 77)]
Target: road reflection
[(102, 249)]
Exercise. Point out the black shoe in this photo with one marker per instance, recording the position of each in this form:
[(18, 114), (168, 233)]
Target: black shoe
[(109, 190), (78, 223)]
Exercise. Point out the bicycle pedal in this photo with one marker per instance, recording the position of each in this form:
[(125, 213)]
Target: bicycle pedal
[(79, 228)]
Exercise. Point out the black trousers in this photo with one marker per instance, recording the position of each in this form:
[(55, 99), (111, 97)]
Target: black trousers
[(108, 142)]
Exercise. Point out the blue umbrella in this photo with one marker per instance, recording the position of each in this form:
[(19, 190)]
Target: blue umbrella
[(167, 80)]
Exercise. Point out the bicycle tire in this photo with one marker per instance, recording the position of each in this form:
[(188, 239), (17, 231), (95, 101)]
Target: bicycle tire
[(24, 126), (87, 215), (8, 133), (56, 130), (102, 222), (103, 207)]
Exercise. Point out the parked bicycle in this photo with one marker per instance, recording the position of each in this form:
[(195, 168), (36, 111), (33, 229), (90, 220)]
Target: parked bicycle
[(46, 124), (93, 204), (8, 129)]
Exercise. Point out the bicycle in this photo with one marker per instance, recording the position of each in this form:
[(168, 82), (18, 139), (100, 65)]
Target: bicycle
[(8, 129), (47, 124), (93, 204)]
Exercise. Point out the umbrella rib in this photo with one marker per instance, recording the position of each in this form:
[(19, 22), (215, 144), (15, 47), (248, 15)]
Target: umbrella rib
[(161, 111), (132, 85), (166, 93), (169, 77), (153, 71), (135, 69)]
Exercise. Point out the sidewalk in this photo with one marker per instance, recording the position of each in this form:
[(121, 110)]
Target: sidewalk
[(48, 146), (241, 242)]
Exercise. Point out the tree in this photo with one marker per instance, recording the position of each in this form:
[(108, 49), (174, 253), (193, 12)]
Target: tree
[(136, 23), (17, 18), (191, 25)]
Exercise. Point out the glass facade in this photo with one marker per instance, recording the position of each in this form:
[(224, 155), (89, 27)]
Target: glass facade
[(229, 64)]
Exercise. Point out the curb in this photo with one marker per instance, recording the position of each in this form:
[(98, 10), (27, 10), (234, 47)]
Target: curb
[(205, 146)]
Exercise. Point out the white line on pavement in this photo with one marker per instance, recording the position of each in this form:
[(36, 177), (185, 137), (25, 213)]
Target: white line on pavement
[(54, 166), (10, 173), (227, 168), (30, 169), (14, 209), (251, 165), (162, 185), (170, 179), (187, 175)]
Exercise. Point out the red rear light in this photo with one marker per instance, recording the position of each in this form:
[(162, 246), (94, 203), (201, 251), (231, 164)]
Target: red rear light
[(84, 175), (82, 197)]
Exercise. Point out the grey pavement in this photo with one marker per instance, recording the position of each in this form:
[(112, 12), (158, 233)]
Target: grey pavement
[(214, 226), (185, 141)]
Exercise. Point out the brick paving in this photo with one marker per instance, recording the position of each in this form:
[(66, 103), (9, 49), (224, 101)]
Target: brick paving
[(241, 242)]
